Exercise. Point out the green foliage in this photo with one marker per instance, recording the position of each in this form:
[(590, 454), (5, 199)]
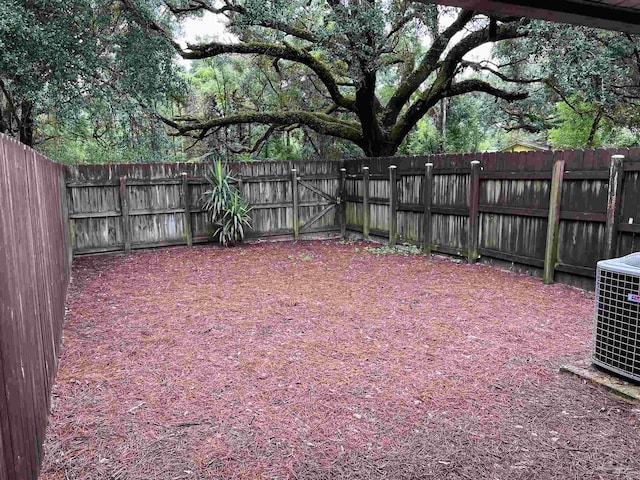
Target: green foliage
[(93, 136), (78, 79), (423, 140), (574, 126), (226, 207), (588, 90), (580, 124), (404, 250), (363, 73), (469, 127)]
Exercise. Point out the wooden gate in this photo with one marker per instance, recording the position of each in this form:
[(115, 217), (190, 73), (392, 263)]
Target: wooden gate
[(328, 202)]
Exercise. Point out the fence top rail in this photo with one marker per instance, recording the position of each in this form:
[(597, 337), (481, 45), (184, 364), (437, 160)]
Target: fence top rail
[(536, 161), (150, 171)]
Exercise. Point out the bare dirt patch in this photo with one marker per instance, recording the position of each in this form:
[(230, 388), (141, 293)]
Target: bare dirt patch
[(321, 360)]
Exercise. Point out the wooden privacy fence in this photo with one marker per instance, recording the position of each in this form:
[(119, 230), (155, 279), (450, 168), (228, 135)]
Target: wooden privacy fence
[(549, 210), (34, 275), (552, 211), (120, 207)]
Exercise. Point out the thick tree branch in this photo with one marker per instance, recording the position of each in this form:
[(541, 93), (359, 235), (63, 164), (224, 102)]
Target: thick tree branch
[(301, 33), (427, 66), (198, 6), (285, 52), (421, 106), (475, 85), (505, 31), (477, 66), (318, 121)]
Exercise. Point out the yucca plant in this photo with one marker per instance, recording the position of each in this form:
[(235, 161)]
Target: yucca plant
[(226, 207), (220, 192), (235, 219)]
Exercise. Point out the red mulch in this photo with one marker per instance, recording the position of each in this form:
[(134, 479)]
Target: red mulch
[(320, 360)]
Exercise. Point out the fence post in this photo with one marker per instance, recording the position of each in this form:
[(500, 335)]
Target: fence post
[(427, 195), (474, 200), (240, 184), (616, 176), (124, 209), (294, 192), (186, 200), (366, 209), (343, 203), (69, 240), (553, 226), (393, 206)]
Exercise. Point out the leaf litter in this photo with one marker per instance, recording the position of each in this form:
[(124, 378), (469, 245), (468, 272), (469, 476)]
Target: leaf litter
[(322, 360)]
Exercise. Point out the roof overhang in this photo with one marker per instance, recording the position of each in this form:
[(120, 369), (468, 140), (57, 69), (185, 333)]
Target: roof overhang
[(621, 15)]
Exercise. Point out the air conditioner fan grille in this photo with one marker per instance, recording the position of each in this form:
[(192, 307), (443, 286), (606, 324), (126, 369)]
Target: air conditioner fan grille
[(617, 342)]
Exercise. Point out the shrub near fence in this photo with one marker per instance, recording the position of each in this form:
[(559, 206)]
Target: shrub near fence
[(34, 274)]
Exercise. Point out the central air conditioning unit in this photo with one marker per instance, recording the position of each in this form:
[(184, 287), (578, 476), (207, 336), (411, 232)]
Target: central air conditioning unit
[(617, 322)]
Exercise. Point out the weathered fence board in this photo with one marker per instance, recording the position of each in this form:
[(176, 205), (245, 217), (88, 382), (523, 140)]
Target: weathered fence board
[(513, 205), (34, 274), (157, 213), (510, 209)]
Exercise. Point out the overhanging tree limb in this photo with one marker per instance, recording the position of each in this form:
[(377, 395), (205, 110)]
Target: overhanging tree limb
[(426, 67), (317, 121), (421, 106), (285, 52), (478, 66)]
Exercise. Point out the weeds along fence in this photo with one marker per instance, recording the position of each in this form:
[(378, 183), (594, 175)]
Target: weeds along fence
[(556, 213), (34, 274)]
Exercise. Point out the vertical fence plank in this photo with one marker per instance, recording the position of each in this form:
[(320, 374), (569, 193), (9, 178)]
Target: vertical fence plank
[(124, 209), (186, 202), (474, 201), (393, 205), (64, 208), (294, 195), (427, 195), (343, 203), (553, 226), (241, 184), (366, 209), (616, 178), (7, 344)]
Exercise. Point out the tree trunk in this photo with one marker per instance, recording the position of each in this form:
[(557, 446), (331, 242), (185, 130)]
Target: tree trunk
[(594, 129), (26, 123), (442, 124)]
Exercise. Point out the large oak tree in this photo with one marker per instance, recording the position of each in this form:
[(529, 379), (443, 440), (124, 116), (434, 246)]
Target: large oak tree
[(347, 46)]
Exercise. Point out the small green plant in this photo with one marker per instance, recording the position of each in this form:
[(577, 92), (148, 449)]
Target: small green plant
[(404, 250), (306, 257), (226, 207), (303, 257)]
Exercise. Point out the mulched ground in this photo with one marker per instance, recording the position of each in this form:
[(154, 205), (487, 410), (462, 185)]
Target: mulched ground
[(322, 360)]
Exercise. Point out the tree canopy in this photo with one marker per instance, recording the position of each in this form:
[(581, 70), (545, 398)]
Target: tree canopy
[(99, 81), (589, 83), (345, 49), (85, 64)]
